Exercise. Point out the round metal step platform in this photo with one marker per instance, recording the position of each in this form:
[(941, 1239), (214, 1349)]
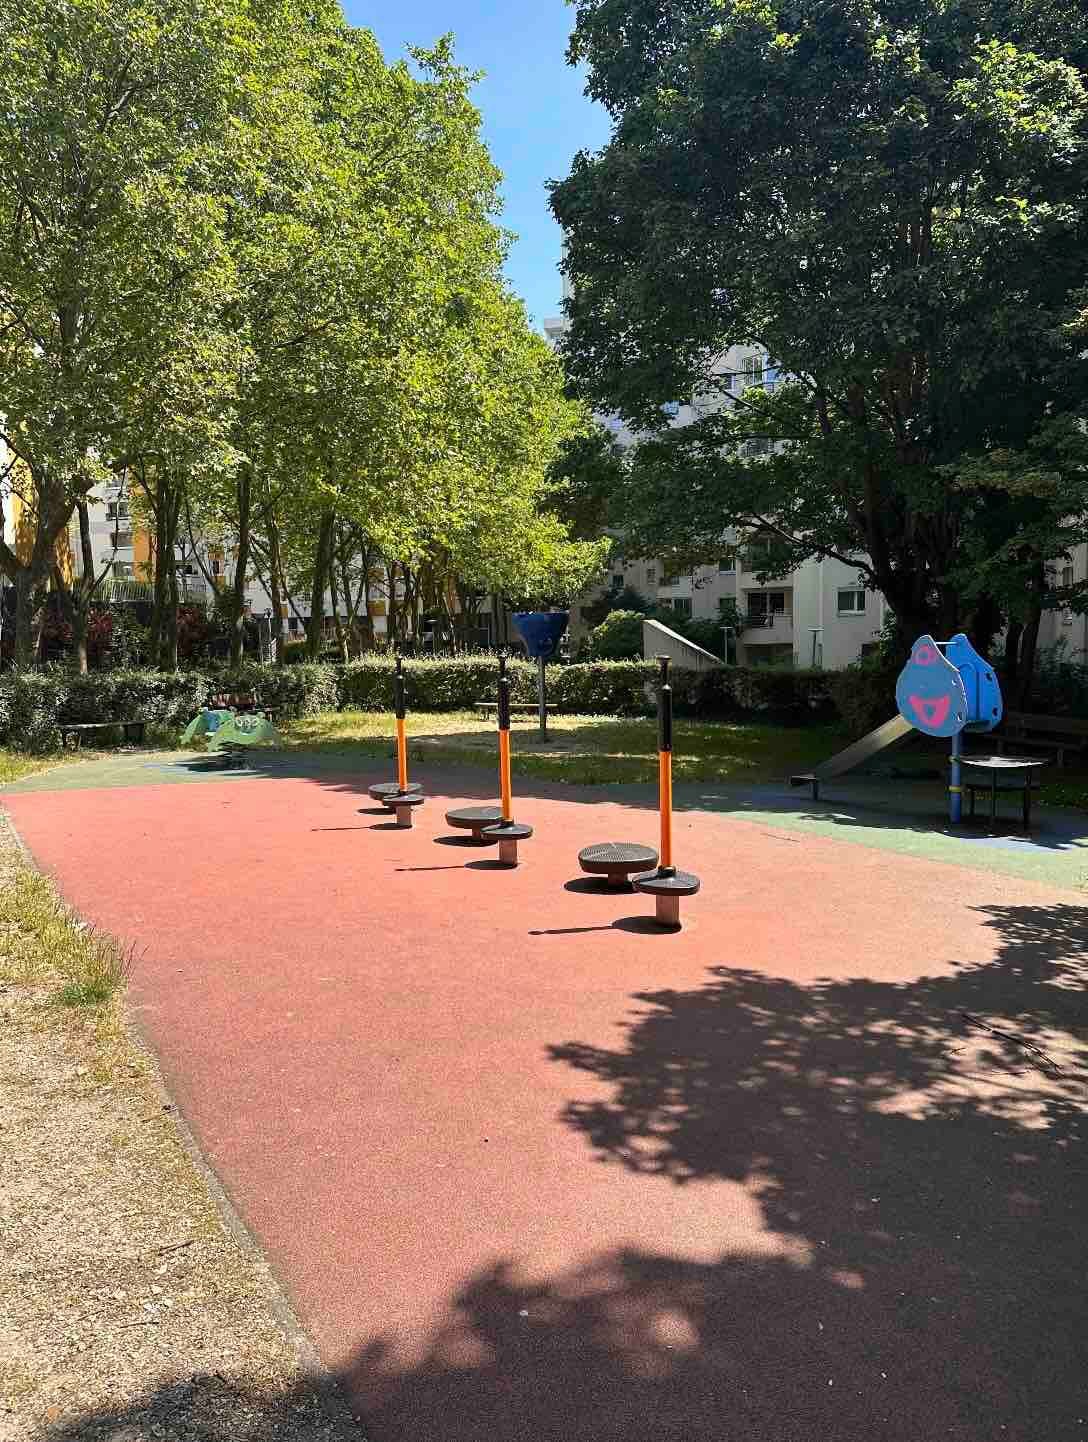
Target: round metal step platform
[(508, 831), (475, 819), (676, 883), (381, 791), (507, 834), (401, 807), (667, 886), (615, 861)]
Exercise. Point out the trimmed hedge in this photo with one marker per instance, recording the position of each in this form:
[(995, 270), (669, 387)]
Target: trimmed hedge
[(452, 684), (864, 694), (35, 705)]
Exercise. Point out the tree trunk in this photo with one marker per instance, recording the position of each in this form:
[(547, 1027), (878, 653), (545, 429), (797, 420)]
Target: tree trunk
[(161, 562), (275, 592), (334, 596), (27, 605), (82, 591), (166, 657), (322, 559), (392, 614), (1029, 643), (1012, 656), (241, 569), (169, 657)]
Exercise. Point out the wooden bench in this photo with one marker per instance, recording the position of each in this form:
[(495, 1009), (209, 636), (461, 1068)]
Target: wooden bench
[(1059, 734), (72, 731), (528, 706), (242, 702)]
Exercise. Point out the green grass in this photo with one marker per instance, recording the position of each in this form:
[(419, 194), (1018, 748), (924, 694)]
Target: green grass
[(585, 750), (41, 942), (594, 750), (14, 765), (1068, 787)]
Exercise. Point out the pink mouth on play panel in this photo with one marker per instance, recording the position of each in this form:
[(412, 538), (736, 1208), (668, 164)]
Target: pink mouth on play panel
[(933, 710)]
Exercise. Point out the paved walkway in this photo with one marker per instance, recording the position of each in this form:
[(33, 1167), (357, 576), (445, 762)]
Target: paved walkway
[(530, 1170)]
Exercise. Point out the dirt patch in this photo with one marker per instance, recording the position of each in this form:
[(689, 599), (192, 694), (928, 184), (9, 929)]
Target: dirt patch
[(131, 1307)]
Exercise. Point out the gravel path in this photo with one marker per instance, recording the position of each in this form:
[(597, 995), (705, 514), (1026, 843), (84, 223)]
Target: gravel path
[(132, 1307)]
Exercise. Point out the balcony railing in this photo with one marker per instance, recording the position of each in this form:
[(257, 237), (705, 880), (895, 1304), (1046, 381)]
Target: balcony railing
[(780, 622)]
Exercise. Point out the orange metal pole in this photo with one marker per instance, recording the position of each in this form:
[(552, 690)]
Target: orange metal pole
[(402, 755), (505, 784), (665, 787)]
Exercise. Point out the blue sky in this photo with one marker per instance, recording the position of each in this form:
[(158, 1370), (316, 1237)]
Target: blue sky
[(534, 113)]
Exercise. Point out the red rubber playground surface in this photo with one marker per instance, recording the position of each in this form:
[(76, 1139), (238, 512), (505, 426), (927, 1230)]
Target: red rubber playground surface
[(530, 1170)]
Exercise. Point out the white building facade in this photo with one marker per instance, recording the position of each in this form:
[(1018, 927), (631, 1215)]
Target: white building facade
[(820, 614)]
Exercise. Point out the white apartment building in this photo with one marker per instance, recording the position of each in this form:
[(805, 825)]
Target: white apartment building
[(1064, 627), (820, 614), (123, 551)]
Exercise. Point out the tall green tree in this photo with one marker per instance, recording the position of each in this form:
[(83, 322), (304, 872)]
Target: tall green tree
[(121, 124), (888, 196)]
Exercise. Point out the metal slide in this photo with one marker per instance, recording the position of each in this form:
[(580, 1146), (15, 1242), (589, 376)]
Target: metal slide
[(855, 755)]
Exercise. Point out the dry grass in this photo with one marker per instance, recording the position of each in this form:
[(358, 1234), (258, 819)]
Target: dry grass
[(14, 765), (40, 939), (129, 1307)]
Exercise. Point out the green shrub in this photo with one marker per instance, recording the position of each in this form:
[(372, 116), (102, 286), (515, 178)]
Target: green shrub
[(1060, 684), (445, 684), (617, 638), (864, 693), (34, 705), (705, 631), (30, 709), (301, 690), (604, 688)]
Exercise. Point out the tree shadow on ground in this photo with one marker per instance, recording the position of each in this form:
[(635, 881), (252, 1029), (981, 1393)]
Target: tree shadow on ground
[(898, 1251)]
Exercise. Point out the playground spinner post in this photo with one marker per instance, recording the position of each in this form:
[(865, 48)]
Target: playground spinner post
[(505, 785), (402, 740), (664, 763)]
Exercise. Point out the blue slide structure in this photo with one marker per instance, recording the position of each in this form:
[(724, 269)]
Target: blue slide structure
[(945, 688)]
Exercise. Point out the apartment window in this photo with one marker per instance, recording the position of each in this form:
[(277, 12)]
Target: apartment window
[(617, 582), (752, 369), (671, 409), (681, 605), (117, 510), (763, 606), (292, 625), (756, 446), (217, 566), (122, 570), (121, 538), (851, 602), (779, 655), (1067, 580), (670, 578), (727, 566), (766, 553), (651, 575)]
